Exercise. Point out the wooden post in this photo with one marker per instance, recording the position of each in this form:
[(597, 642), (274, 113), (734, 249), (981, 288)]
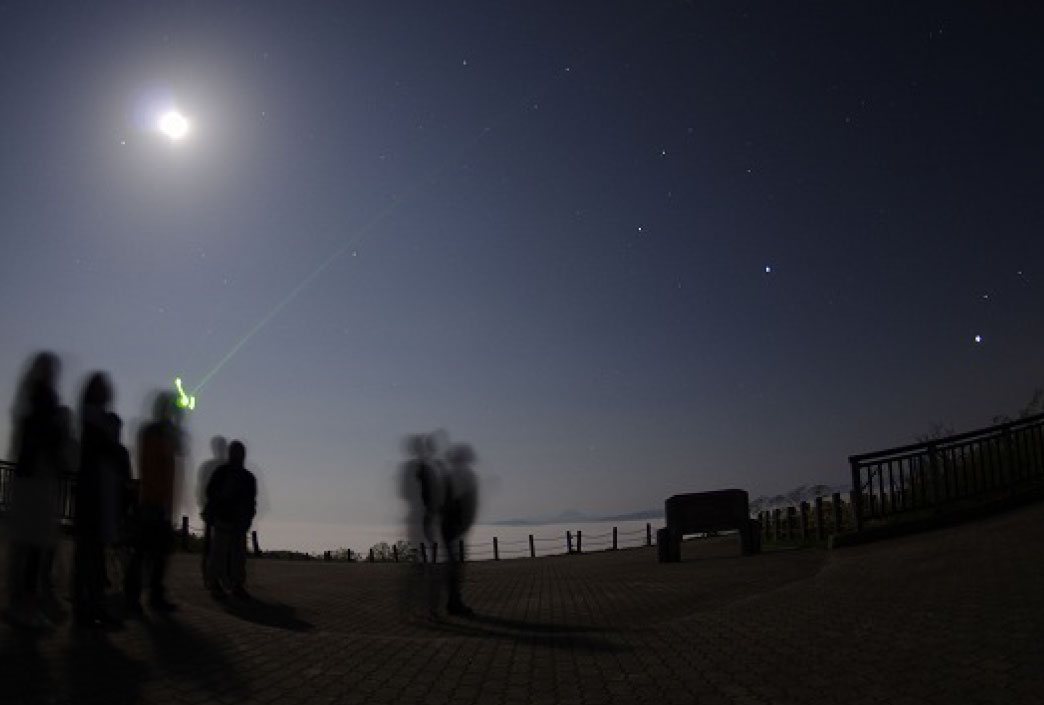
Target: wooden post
[(395, 552), (791, 521), (579, 537), (424, 553), (648, 534), (532, 547), (835, 500), (434, 552), (184, 533), (857, 495), (460, 550), (777, 524), (371, 555), (569, 541), (820, 529), (496, 550), (804, 521), (253, 539), (614, 538)]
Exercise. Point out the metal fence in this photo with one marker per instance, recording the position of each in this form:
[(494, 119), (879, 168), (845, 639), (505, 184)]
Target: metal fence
[(942, 471), (63, 506)]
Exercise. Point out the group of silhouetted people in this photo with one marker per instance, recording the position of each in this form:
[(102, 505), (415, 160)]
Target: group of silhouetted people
[(442, 493), (109, 506)]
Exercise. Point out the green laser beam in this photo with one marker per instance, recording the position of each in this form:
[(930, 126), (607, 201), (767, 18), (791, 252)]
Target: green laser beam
[(185, 401)]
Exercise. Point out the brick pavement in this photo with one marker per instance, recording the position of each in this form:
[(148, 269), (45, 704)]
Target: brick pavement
[(953, 616)]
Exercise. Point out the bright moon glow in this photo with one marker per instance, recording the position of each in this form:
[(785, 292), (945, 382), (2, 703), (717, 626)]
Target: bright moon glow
[(978, 339), (174, 125), (768, 269)]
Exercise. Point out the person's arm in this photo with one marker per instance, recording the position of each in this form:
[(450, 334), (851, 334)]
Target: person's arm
[(252, 507)]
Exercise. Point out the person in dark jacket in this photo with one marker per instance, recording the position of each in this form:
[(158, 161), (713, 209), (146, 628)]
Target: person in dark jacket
[(38, 442), (101, 500), (459, 506), (159, 468), (219, 445), (231, 506)]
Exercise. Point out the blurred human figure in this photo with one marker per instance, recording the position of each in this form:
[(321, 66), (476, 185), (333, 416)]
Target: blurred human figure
[(37, 445), (421, 488), (219, 446), (230, 509), (159, 466), (101, 499), (459, 506)]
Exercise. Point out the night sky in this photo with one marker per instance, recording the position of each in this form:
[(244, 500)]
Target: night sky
[(626, 250)]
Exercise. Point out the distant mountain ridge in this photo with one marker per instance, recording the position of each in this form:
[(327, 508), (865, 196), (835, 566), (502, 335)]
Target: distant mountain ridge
[(572, 515)]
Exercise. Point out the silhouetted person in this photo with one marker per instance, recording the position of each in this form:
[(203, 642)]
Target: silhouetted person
[(459, 506), (101, 499), (231, 505), (421, 488), (38, 442), (159, 460), (219, 446)]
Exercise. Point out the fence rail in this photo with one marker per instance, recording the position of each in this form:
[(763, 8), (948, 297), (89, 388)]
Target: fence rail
[(946, 470), (886, 484)]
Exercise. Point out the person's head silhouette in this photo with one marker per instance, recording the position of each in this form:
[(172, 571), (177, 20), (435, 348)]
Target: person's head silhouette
[(236, 454)]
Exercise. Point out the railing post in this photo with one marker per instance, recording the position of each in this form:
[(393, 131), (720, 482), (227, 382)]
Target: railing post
[(579, 537), (184, 533), (804, 521), (424, 553), (569, 541), (371, 555), (648, 534), (532, 547), (820, 529), (776, 524), (253, 539), (857, 495), (434, 552), (496, 550), (933, 466), (614, 538), (791, 520)]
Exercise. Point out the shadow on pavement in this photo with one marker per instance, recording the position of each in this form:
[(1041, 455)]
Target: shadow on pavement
[(96, 671), (536, 633), (26, 672), (274, 614), (190, 657), (539, 627)]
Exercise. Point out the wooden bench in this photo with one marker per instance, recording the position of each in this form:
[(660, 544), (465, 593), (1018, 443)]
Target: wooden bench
[(705, 512)]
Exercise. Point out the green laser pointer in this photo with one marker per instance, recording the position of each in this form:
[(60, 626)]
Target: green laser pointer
[(185, 401)]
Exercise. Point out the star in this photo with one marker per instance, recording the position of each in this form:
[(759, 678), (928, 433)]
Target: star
[(768, 269)]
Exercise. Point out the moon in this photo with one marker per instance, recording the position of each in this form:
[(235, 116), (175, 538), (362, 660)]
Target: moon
[(173, 124)]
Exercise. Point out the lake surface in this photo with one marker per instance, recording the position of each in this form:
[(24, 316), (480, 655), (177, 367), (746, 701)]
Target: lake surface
[(513, 541)]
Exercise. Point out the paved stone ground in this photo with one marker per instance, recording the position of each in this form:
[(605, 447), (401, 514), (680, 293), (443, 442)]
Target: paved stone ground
[(953, 616)]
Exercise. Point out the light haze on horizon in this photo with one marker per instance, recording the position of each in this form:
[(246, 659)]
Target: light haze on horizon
[(624, 250)]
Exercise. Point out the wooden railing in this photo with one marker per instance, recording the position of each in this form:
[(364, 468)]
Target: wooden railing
[(942, 471), (64, 504)]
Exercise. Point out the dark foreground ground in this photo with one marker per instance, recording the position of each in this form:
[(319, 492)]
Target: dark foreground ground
[(954, 616)]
